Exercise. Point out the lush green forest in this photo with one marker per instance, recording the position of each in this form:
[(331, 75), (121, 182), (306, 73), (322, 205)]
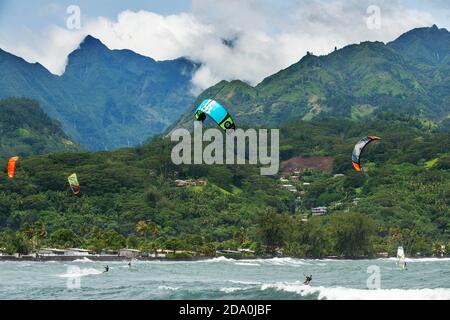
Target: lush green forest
[(129, 197), (26, 130)]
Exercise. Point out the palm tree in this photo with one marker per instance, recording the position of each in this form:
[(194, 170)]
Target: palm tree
[(142, 228), (40, 232), (240, 236), (154, 229), (28, 230)]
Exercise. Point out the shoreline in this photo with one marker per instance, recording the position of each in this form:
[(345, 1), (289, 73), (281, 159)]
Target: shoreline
[(178, 259), (97, 258)]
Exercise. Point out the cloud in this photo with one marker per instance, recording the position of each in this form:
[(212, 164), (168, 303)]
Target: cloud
[(49, 47), (267, 36)]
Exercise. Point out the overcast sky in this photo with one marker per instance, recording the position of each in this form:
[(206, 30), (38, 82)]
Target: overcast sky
[(263, 36)]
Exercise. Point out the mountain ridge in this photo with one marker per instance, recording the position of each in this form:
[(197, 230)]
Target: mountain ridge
[(353, 82), (426, 45), (26, 130), (104, 99)]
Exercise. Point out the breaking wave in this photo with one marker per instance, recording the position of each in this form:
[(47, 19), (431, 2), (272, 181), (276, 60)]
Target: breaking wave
[(168, 288), (84, 260), (341, 293)]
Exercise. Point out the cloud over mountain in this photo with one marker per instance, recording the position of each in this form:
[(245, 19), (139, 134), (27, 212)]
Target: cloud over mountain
[(267, 36)]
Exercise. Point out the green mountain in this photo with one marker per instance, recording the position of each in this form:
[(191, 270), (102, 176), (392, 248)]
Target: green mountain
[(356, 82), (106, 98), (130, 197), (425, 45), (26, 130), (323, 106)]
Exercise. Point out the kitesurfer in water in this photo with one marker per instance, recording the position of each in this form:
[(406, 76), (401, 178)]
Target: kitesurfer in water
[(106, 269), (308, 279)]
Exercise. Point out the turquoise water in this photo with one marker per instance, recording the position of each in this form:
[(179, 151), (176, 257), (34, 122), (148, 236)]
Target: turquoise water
[(221, 278)]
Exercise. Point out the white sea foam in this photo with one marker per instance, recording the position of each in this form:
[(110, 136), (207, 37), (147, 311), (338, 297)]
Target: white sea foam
[(244, 282), (84, 260), (247, 264), (168, 288), (218, 259), (232, 289), (285, 262), (415, 260), (335, 260), (272, 261), (340, 293), (80, 272)]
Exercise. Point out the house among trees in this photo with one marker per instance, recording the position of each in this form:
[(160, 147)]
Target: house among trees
[(71, 252), (185, 183), (227, 251), (77, 252), (297, 165), (109, 252), (290, 187), (129, 253), (319, 211), (245, 250), (50, 252)]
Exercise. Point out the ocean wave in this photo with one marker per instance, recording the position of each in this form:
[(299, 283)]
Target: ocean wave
[(257, 262), (246, 264), (244, 282), (341, 293), (232, 289), (168, 288), (75, 272), (219, 259), (418, 259), (84, 260), (286, 262), (336, 260)]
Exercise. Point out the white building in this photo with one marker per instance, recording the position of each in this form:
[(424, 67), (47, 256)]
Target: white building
[(77, 252), (319, 211), (129, 253), (50, 252), (245, 250)]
